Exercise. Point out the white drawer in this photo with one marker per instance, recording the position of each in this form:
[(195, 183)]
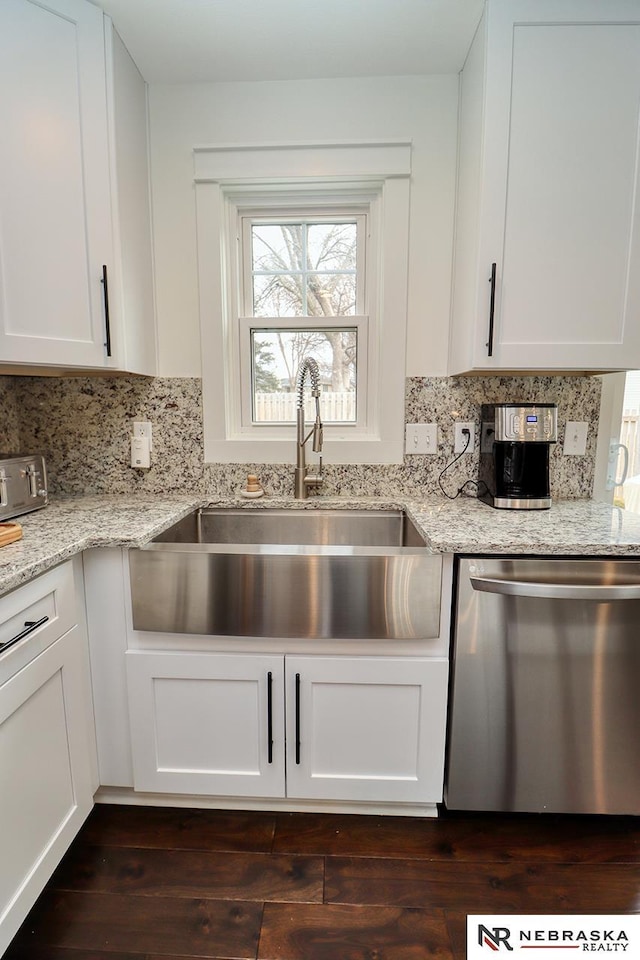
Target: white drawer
[(42, 610)]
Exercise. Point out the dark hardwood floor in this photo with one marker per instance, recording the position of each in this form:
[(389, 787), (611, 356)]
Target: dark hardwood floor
[(144, 883)]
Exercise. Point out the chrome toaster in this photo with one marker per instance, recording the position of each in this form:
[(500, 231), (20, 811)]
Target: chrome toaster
[(23, 484)]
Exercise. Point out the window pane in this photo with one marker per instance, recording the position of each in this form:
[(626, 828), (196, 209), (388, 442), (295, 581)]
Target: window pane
[(276, 356), (276, 246), (279, 295), (303, 269), (331, 246), (331, 295)]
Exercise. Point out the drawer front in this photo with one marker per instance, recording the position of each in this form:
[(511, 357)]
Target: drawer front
[(35, 615)]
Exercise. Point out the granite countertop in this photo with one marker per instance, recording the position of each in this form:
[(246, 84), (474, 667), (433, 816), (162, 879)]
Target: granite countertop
[(570, 528), (68, 526)]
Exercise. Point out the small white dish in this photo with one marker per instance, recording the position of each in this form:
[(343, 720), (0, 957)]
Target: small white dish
[(252, 496)]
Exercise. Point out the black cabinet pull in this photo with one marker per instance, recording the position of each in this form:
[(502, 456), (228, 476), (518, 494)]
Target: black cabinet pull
[(107, 324), (492, 308), (29, 627), (270, 716), (297, 718)]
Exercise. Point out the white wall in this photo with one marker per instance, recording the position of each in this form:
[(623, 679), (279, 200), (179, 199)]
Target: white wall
[(422, 109)]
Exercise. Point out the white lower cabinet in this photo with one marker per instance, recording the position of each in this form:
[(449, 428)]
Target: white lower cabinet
[(201, 723), (357, 728), (46, 790), (366, 728)]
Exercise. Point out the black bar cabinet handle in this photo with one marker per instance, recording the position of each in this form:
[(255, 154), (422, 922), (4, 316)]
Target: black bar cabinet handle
[(29, 627), (297, 718), (492, 308), (270, 716), (107, 324)]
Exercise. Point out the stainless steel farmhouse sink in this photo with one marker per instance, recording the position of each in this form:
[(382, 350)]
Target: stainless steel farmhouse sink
[(351, 528), (306, 574)]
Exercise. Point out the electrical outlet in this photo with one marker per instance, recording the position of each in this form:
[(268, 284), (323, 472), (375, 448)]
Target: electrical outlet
[(142, 428), (487, 436), (575, 438), (421, 438), (461, 441)]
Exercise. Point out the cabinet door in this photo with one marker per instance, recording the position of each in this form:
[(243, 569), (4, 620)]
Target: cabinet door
[(557, 211), (207, 723), (55, 229), (366, 728), (46, 792), (131, 280)]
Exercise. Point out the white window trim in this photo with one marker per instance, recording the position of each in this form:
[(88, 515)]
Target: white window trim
[(231, 175)]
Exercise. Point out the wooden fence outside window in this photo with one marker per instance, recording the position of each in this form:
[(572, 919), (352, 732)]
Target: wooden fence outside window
[(281, 407)]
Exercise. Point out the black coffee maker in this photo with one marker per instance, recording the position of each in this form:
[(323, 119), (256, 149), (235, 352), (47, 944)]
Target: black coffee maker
[(514, 454)]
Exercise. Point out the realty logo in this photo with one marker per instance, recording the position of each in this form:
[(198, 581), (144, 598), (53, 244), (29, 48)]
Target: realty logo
[(494, 937), (552, 937)]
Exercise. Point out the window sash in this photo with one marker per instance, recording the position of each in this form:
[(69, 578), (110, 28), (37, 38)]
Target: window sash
[(337, 214), (351, 392), (248, 324)]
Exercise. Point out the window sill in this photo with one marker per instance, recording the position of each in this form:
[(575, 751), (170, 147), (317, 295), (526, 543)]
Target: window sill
[(340, 451)]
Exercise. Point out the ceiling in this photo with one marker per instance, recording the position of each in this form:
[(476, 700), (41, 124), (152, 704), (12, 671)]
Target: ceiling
[(191, 41)]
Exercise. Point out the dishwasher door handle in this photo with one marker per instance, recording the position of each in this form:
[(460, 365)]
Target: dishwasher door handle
[(557, 591)]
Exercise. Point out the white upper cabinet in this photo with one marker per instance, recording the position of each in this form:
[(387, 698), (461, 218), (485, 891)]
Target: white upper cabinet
[(548, 189), (132, 310), (55, 230), (59, 221)]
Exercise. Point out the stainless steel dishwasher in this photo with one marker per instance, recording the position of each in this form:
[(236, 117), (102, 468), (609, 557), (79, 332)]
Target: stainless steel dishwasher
[(545, 701)]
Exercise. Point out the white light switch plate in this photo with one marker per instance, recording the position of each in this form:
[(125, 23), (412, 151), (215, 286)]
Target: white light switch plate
[(421, 438), (575, 438)]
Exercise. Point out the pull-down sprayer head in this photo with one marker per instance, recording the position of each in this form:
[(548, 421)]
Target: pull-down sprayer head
[(310, 365), (303, 480)]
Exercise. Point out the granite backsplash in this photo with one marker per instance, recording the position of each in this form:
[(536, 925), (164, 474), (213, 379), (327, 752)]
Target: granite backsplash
[(82, 426), (9, 418)]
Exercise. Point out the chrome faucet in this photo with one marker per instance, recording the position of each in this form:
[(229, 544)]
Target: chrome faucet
[(303, 480)]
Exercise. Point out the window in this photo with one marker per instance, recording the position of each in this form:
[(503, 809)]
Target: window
[(295, 269), (303, 295)]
